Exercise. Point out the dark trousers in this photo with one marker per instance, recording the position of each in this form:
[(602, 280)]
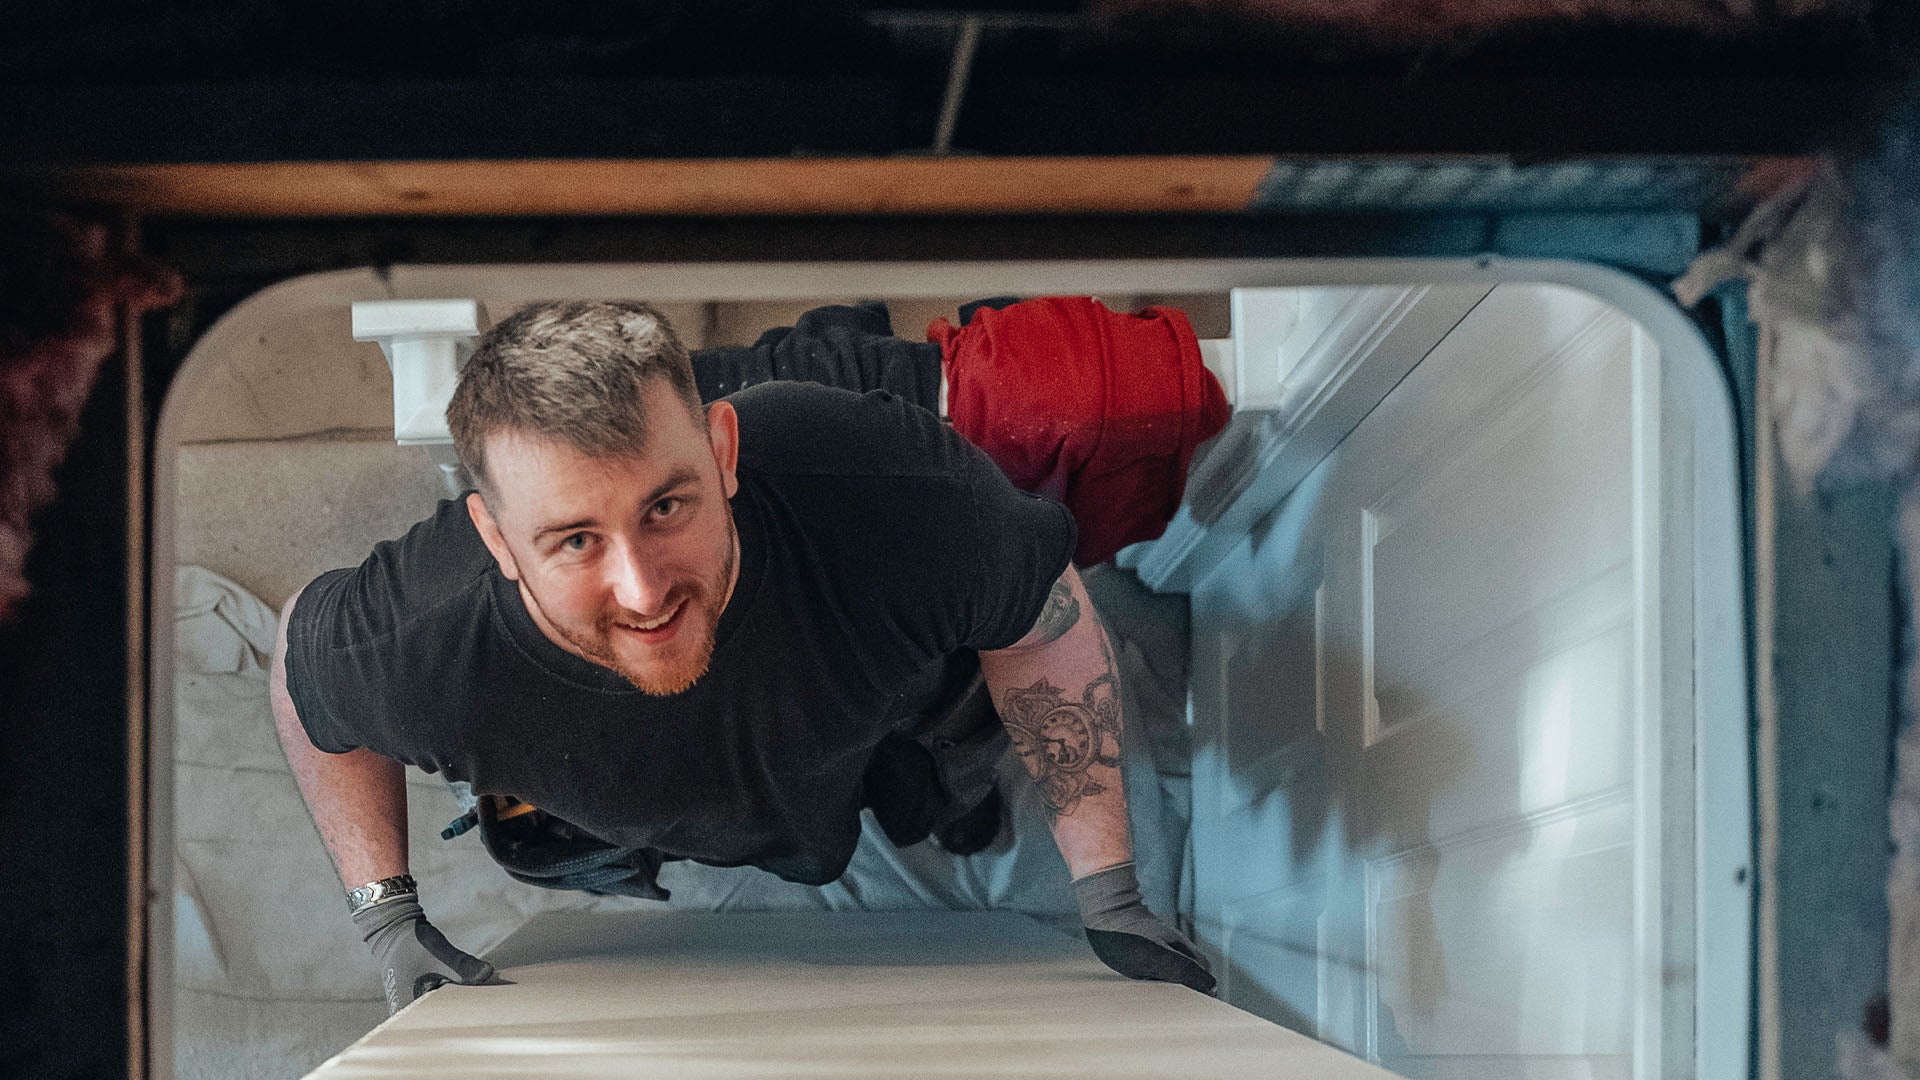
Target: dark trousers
[(941, 769)]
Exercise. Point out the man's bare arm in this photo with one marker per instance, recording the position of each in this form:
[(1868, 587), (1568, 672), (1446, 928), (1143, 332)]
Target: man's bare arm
[(358, 800), (1058, 694)]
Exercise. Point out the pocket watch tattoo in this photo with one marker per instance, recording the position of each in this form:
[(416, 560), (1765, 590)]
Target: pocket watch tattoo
[(1063, 740)]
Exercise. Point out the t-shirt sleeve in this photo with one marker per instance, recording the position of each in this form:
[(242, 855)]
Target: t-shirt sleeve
[(359, 637), (1020, 545), (308, 663)]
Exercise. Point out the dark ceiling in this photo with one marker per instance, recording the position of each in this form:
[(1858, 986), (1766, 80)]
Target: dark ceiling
[(235, 80)]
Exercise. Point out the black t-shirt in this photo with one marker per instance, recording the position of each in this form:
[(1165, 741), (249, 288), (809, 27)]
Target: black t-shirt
[(874, 543)]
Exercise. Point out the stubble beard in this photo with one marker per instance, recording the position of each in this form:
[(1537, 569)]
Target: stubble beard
[(711, 598)]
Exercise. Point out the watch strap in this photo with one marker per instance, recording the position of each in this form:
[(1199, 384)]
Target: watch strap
[(378, 892)]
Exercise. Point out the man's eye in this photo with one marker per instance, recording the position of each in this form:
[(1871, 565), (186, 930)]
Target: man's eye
[(576, 542), (667, 507)]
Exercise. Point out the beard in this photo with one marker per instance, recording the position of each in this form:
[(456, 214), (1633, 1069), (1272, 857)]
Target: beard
[(667, 676)]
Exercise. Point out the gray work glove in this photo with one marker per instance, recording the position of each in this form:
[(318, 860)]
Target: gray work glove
[(413, 956), (1127, 938)]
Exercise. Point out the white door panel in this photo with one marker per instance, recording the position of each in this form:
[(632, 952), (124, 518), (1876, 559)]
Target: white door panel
[(1505, 942), (1428, 807)]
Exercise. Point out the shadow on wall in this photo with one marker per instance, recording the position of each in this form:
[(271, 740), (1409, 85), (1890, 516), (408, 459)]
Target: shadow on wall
[(1323, 823)]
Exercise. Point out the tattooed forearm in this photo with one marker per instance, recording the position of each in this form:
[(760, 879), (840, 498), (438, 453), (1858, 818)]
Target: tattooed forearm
[(1062, 740), (1058, 693), (1062, 611)]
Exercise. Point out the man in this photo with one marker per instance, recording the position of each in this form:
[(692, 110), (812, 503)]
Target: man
[(712, 633)]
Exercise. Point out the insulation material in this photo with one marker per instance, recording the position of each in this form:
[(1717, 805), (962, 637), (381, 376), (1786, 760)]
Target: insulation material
[(62, 290), (1846, 384), (1833, 267)]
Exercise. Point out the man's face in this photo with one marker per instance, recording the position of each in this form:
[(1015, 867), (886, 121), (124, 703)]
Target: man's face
[(626, 561)]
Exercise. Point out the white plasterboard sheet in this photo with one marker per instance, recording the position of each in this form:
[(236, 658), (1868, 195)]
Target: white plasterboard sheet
[(822, 994)]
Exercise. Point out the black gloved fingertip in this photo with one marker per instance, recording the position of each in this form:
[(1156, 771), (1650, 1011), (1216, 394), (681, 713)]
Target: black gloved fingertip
[(1137, 957)]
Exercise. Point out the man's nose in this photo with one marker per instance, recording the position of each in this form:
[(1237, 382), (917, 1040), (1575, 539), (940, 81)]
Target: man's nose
[(636, 586)]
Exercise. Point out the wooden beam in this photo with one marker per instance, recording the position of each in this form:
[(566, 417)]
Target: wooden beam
[(783, 187), (477, 188)]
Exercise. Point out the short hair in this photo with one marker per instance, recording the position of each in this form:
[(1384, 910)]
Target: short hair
[(572, 370)]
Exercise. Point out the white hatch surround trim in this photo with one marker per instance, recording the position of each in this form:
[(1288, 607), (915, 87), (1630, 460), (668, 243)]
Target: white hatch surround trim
[(1261, 445)]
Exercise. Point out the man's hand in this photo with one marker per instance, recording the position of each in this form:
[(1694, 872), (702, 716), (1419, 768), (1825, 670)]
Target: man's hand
[(1127, 938), (414, 957)]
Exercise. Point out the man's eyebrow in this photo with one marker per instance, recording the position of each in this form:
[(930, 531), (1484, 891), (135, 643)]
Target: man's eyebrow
[(685, 474), (565, 527)]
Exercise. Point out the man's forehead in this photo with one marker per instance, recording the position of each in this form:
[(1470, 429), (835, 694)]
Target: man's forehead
[(536, 477), (522, 450)]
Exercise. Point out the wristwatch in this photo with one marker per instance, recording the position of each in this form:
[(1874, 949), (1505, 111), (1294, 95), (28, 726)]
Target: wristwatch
[(379, 892)]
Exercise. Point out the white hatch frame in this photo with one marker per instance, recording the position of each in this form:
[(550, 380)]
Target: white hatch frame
[(1273, 453)]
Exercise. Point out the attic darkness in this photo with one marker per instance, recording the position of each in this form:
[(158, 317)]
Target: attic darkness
[(234, 80)]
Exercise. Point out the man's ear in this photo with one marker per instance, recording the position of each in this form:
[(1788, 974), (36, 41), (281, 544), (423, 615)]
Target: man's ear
[(723, 432), (491, 535)]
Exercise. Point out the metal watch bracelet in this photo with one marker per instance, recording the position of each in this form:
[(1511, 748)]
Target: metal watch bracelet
[(379, 892)]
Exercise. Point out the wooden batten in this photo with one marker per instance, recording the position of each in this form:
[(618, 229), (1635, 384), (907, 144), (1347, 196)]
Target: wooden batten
[(477, 188)]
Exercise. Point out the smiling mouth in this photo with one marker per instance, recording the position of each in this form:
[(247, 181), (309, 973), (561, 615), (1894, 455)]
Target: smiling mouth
[(656, 627)]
